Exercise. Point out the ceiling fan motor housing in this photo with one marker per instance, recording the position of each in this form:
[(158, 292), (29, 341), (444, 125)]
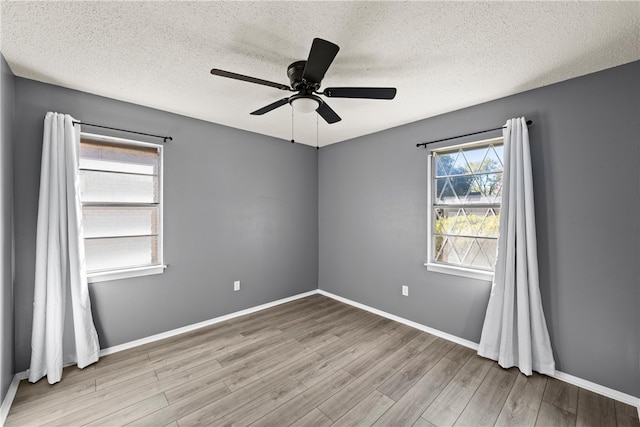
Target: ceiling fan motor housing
[(294, 72)]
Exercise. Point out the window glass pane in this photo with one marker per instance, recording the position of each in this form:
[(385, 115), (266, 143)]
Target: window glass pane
[(490, 249), (438, 244), (483, 221), (107, 221), (499, 150), (461, 246), (121, 252), (490, 224), (444, 161), (118, 187), (484, 188), (98, 155), (492, 161), (476, 257), (474, 158), (454, 221), (459, 223), (468, 221), (453, 189), (467, 252), (467, 191), (441, 224), (448, 253), (460, 165)]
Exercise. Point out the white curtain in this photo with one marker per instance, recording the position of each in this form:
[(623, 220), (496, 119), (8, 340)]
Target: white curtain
[(60, 262), (515, 331)]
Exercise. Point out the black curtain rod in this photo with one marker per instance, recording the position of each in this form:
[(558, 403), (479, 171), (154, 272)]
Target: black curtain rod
[(424, 144), (165, 138)]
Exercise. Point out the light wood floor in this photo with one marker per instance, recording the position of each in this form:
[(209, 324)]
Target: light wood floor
[(310, 362)]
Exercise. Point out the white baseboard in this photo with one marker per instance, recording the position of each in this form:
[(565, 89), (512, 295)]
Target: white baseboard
[(8, 398), (189, 328), (588, 385), (597, 388), (446, 336)]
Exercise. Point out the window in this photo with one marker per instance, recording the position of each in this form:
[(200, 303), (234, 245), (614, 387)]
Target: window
[(465, 188), (121, 195)]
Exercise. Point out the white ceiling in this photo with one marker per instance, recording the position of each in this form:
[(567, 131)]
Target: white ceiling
[(441, 56)]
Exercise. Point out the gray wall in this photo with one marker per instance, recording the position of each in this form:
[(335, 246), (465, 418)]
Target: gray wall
[(238, 206), (6, 227), (585, 154)]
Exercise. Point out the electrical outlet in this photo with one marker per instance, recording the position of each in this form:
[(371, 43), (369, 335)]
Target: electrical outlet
[(405, 290), (236, 285)]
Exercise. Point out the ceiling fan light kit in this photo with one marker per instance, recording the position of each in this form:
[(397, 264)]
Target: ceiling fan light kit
[(305, 103), (305, 78)]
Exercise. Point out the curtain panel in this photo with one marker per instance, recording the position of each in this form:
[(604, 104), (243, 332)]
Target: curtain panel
[(60, 262), (515, 331)]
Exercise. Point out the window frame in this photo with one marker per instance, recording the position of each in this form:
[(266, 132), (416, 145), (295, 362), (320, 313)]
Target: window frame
[(473, 273), (125, 273)]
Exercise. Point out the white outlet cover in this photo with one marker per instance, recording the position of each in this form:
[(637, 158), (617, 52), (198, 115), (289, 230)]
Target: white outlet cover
[(236, 285), (405, 290)]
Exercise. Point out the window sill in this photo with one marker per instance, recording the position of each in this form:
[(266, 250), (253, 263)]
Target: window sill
[(460, 271), (125, 274)]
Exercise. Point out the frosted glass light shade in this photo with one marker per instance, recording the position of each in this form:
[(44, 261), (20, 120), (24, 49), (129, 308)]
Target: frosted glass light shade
[(305, 105)]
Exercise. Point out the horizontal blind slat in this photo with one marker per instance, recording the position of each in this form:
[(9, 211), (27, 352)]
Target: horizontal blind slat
[(114, 187), (118, 172), (118, 158), (112, 221), (118, 253)]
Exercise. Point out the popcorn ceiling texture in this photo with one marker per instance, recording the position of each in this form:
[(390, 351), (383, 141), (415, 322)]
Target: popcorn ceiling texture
[(442, 56)]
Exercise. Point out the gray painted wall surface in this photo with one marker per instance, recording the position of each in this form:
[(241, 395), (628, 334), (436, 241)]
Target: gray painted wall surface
[(6, 234), (238, 206), (585, 154)]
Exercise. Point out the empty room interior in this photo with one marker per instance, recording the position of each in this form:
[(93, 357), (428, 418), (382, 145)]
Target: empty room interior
[(320, 213)]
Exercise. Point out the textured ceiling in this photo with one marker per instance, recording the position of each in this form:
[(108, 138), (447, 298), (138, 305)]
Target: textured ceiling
[(441, 56)]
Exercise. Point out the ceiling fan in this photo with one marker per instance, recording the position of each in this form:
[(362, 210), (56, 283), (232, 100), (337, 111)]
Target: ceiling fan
[(305, 78)]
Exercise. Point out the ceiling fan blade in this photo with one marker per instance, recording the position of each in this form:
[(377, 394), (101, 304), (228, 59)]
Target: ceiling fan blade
[(237, 76), (270, 107), (327, 113), (320, 58), (361, 92)]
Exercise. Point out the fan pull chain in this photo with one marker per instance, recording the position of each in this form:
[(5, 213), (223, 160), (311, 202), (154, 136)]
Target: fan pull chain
[(317, 137), (292, 140)]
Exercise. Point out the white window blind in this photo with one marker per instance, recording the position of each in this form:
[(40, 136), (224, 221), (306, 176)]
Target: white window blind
[(120, 190)]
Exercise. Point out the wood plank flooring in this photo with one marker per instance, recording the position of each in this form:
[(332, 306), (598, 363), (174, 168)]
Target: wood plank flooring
[(310, 362)]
